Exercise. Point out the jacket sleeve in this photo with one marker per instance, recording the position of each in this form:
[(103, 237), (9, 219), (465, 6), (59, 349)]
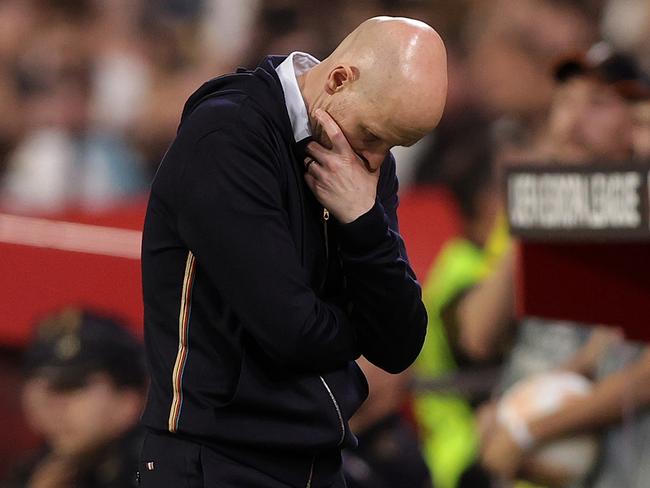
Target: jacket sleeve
[(386, 298), (233, 219)]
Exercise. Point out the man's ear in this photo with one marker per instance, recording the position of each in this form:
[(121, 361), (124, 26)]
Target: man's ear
[(339, 78)]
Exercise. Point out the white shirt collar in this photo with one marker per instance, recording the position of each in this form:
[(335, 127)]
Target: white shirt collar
[(295, 65)]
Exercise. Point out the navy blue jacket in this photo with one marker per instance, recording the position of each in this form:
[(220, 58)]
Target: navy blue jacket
[(256, 306)]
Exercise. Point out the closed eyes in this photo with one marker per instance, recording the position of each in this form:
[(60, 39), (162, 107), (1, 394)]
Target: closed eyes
[(370, 137)]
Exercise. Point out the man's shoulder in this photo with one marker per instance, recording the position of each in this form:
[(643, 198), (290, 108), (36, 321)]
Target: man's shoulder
[(224, 111), (241, 101), (220, 109), (235, 115)]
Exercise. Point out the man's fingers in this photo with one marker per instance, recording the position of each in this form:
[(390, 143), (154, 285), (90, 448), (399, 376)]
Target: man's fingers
[(332, 130), (308, 162), (318, 152), (328, 159), (312, 183), (313, 169)]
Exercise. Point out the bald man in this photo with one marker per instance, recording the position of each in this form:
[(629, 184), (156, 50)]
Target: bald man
[(271, 260)]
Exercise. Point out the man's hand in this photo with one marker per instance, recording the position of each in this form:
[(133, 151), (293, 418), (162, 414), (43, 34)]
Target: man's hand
[(337, 177)]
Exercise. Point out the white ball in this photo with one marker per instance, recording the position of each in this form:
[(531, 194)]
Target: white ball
[(544, 394)]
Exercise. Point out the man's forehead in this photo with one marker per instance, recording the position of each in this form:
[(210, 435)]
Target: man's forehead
[(396, 130)]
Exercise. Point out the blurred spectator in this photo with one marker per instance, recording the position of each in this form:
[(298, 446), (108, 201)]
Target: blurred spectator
[(469, 293), (494, 61), (454, 360), (225, 28), (590, 121), (592, 118), (611, 400), (510, 54), (179, 59), (16, 24), (83, 393), (121, 64)]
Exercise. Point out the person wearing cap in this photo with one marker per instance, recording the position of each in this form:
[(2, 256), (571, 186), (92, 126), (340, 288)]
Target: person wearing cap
[(83, 393), (591, 118)]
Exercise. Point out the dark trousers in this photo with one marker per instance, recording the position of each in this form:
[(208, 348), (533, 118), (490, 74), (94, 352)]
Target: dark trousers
[(170, 461)]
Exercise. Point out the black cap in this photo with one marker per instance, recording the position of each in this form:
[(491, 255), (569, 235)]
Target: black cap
[(601, 62), (71, 345)]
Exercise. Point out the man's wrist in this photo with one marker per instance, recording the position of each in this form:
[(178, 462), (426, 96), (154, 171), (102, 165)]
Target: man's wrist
[(356, 214), (366, 231)]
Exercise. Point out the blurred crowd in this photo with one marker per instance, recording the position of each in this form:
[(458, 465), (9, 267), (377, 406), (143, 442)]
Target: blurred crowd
[(92, 91)]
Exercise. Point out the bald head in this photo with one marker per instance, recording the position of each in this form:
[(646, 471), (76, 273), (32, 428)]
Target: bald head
[(392, 73), (396, 54)]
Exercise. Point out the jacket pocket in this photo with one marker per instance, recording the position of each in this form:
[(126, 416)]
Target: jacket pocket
[(284, 410), (349, 387)]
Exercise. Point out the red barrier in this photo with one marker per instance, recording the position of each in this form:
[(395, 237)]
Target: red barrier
[(47, 264), (92, 260)]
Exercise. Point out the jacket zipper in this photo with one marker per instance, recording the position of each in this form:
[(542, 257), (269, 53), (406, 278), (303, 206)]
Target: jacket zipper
[(326, 217), (311, 472)]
